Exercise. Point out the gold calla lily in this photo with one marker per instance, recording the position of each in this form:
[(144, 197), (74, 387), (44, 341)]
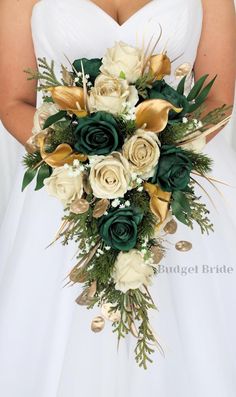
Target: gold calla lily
[(160, 66), (152, 114), (63, 154), (159, 201), (70, 99)]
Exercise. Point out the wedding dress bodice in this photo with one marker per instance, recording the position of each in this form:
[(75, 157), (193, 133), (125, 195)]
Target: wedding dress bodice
[(79, 28)]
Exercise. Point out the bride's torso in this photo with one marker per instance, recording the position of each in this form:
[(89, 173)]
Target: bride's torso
[(79, 28)]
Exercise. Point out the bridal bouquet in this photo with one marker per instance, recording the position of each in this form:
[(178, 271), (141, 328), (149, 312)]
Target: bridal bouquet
[(121, 149)]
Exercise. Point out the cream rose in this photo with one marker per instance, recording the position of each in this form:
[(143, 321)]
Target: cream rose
[(63, 186), (111, 95), (142, 152), (123, 58), (110, 176), (131, 271), (42, 113)]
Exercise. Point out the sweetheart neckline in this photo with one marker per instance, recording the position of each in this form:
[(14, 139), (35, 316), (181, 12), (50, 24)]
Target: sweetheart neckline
[(105, 14), (114, 20)]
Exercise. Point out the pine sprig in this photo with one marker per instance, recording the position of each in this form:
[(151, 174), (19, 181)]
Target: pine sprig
[(47, 78), (101, 267), (201, 162), (178, 132), (62, 132), (199, 214), (126, 127), (187, 208), (146, 339), (30, 160), (143, 84)]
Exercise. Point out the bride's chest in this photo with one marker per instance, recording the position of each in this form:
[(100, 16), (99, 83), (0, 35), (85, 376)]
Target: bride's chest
[(79, 28)]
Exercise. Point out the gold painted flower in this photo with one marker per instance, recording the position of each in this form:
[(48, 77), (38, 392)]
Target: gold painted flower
[(160, 66), (70, 99)]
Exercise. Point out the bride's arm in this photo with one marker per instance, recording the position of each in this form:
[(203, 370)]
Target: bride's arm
[(17, 95), (216, 51)]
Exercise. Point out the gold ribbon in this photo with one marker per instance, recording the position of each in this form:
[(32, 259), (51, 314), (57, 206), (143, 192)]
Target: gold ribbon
[(63, 154), (159, 201), (70, 99), (152, 114), (160, 66)]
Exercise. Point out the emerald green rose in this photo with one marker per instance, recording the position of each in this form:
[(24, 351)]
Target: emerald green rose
[(173, 169), (119, 228), (97, 134), (91, 67), (161, 90)]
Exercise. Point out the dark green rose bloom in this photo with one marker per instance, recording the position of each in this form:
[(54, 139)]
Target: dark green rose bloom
[(119, 228), (162, 90), (173, 169), (91, 67), (97, 134)]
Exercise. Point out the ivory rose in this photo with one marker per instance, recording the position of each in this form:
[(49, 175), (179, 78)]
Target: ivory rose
[(111, 94), (123, 58), (131, 271), (110, 176), (142, 152), (63, 186), (41, 115)]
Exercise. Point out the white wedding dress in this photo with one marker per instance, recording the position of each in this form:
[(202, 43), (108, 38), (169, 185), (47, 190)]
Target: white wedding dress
[(46, 346)]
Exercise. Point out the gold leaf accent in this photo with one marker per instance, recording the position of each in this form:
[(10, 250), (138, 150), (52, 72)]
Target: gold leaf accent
[(158, 254), (98, 324), (100, 208), (160, 66), (171, 227), (86, 298), (83, 299), (79, 206), (61, 155), (77, 276), (152, 114), (183, 246)]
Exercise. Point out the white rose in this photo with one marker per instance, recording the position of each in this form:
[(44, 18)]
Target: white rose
[(131, 271), (63, 186), (110, 176), (111, 95), (123, 58), (142, 152)]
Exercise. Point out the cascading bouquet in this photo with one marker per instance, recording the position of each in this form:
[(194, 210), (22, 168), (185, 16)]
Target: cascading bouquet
[(121, 149)]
